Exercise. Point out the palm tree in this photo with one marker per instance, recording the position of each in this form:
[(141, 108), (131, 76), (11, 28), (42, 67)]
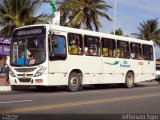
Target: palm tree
[(118, 32), (16, 13), (84, 13), (148, 30)]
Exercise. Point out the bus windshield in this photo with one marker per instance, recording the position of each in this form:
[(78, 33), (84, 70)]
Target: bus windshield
[(28, 47)]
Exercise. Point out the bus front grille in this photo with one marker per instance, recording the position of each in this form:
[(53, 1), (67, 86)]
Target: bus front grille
[(22, 75), (24, 80), (25, 69)]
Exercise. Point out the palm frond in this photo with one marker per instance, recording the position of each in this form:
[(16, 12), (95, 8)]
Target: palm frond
[(71, 13), (16, 13)]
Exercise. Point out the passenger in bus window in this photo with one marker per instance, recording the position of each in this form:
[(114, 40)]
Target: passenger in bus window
[(133, 55), (20, 60), (139, 56), (74, 49), (86, 50), (28, 54), (92, 51)]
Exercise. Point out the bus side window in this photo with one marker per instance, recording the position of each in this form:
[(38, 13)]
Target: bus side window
[(58, 50), (108, 47), (92, 46), (123, 49), (136, 51), (147, 52), (75, 46)]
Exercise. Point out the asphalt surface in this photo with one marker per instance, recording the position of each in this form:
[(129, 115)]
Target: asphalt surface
[(143, 99)]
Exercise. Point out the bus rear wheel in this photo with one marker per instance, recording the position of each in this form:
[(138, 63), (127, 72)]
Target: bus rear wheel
[(129, 82), (74, 82)]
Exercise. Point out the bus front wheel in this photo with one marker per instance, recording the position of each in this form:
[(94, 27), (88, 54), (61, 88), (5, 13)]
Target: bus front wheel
[(74, 82), (129, 83)]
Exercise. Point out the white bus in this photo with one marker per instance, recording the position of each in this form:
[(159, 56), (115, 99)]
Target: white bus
[(48, 55)]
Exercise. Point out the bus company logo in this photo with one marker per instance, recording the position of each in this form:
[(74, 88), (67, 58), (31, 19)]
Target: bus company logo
[(124, 64), (114, 63)]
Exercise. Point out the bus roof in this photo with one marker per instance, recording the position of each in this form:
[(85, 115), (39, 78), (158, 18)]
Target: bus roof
[(88, 32)]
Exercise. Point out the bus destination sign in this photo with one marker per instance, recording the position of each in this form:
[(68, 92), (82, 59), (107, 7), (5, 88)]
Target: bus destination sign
[(30, 31)]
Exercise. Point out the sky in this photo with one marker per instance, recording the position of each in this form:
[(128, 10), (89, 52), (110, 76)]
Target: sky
[(129, 14)]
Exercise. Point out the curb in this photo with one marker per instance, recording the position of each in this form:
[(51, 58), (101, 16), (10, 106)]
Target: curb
[(5, 88)]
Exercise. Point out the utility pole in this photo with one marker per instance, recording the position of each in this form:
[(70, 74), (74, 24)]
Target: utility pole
[(115, 15)]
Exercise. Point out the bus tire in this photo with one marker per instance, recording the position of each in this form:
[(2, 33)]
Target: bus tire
[(129, 82), (74, 82)]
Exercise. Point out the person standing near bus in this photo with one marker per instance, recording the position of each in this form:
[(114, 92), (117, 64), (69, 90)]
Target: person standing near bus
[(7, 68)]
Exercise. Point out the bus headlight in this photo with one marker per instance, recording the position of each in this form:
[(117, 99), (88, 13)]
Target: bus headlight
[(40, 72), (12, 73)]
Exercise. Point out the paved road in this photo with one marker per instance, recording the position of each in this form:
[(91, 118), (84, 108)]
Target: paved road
[(141, 100)]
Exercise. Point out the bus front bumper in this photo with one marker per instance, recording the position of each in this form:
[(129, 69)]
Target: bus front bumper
[(32, 81)]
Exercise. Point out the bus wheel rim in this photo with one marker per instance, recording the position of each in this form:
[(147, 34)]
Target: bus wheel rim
[(74, 82)]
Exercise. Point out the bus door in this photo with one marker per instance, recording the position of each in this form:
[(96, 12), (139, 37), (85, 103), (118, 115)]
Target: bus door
[(136, 61), (148, 62), (57, 65)]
